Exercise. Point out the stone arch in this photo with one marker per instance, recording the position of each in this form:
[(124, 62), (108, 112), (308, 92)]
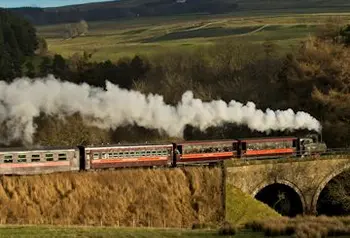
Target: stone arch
[(284, 182), (323, 184)]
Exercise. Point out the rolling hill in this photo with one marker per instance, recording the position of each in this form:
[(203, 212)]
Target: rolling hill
[(111, 10)]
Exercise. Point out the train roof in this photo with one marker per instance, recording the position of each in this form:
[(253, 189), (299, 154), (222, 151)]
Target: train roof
[(136, 145), (207, 141), (268, 139), (37, 148)]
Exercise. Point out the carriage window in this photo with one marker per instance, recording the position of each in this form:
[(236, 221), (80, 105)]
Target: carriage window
[(132, 154), (126, 154), (116, 154), (137, 153), (35, 158), (21, 159), (110, 154), (209, 149), (96, 156), (8, 159), (49, 157), (121, 154), (148, 153), (154, 152), (142, 153), (235, 146), (62, 156), (225, 149)]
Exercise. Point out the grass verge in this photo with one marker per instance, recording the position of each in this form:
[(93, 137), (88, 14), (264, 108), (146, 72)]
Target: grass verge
[(307, 226), (242, 208)]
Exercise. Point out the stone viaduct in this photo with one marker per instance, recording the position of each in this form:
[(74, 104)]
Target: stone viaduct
[(306, 176)]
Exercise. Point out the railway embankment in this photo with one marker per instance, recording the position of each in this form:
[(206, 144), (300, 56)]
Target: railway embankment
[(128, 197), (180, 197)]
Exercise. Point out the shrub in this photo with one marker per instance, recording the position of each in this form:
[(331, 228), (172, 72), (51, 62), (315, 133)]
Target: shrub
[(227, 229)]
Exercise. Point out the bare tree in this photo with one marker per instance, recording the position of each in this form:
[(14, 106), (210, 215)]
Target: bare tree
[(75, 30), (69, 31), (82, 27)]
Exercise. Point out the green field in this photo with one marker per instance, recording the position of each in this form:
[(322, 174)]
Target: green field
[(45, 231), (146, 36)]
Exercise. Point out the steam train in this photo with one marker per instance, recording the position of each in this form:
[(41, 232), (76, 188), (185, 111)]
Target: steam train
[(19, 161)]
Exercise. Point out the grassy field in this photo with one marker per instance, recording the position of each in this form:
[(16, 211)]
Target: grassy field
[(49, 232), (146, 36)]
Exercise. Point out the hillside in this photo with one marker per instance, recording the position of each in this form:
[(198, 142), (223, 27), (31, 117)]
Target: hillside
[(144, 8)]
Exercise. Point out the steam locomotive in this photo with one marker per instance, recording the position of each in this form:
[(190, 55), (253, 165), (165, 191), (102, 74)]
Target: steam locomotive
[(19, 161)]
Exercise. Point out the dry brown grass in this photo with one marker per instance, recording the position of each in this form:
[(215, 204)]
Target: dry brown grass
[(303, 226), (153, 197)]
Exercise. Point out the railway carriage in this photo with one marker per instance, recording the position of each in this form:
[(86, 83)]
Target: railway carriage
[(20, 161), (205, 151), (115, 156), (259, 148)]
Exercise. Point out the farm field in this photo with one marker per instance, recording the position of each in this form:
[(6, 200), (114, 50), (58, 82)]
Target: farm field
[(147, 36)]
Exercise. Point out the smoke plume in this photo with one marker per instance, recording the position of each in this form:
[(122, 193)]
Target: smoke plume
[(24, 99)]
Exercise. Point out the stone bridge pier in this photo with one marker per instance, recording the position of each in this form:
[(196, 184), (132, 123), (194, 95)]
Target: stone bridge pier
[(306, 176)]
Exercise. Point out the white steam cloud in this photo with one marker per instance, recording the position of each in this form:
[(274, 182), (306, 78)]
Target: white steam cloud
[(24, 99)]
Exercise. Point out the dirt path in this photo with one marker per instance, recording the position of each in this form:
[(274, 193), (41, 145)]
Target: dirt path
[(255, 31)]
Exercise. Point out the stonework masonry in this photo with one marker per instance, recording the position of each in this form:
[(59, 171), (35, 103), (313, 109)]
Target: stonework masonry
[(307, 176)]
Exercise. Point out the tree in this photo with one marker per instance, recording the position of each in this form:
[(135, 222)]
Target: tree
[(69, 31), (75, 30), (18, 40), (30, 69), (42, 46), (345, 34), (45, 67), (82, 28), (59, 66)]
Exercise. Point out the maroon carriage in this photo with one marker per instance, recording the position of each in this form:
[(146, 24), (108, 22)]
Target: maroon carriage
[(255, 148), (205, 151), (114, 156)]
